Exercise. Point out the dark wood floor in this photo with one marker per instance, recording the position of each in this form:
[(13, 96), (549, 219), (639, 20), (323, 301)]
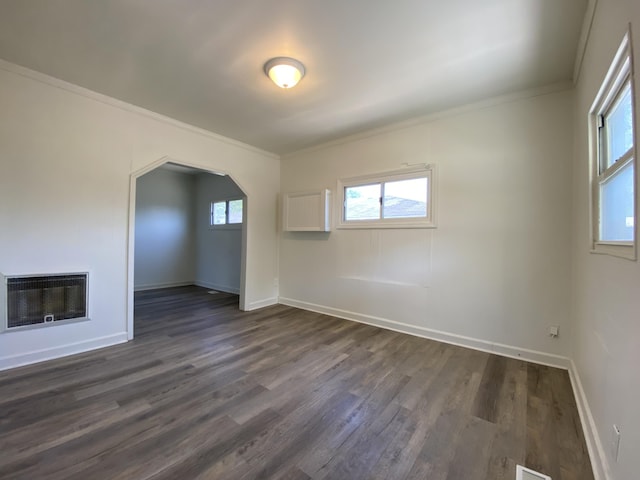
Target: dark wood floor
[(208, 392)]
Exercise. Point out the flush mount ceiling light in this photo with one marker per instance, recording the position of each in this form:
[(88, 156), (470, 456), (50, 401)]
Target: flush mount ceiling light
[(284, 71)]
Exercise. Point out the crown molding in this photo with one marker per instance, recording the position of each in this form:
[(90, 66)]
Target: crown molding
[(431, 117), (113, 102), (585, 33)]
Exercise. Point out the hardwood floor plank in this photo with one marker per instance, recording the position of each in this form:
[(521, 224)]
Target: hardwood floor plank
[(485, 406), (202, 458), (573, 456), (445, 390), (206, 391), (272, 459), (373, 405), (454, 391), (60, 429), (509, 444), (360, 459), (473, 446)]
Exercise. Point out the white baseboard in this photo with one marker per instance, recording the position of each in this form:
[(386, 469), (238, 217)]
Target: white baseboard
[(219, 288), (534, 356), (37, 356), (599, 463), (267, 302), (154, 286)]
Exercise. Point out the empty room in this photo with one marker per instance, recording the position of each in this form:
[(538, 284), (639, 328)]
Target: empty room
[(347, 240)]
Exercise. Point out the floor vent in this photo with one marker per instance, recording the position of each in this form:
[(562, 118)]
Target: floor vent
[(523, 473), (39, 300)]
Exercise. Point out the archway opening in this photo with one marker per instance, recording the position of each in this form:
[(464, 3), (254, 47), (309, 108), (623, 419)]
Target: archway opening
[(187, 230)]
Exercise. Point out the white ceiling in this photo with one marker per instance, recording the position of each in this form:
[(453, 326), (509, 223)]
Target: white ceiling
[(369, 62)]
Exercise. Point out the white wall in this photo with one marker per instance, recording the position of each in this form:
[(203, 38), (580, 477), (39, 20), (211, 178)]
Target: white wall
[(219, 249), (66, 157), (495, 274), (606, 305), (165, 253)]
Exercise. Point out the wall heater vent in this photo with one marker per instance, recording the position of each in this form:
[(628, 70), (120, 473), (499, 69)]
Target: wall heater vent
[(39, 300), (523, 473)]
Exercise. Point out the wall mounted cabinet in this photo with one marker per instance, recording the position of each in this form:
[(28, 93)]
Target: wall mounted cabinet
[(307, 211)]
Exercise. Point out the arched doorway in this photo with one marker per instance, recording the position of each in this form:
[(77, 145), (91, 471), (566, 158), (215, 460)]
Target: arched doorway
[(212, 189)]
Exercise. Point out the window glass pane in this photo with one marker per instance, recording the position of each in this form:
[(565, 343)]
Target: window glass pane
[(218, 213), (405, 198), (362, 202), (235, 211), (619, 125), (616, 210)]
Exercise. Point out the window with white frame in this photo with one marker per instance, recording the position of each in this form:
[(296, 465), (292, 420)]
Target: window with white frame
[(401, 199), (226, 212), (614, 164)]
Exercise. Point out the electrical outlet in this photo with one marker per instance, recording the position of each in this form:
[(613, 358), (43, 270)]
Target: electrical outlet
[(615, 442), (554, 331)]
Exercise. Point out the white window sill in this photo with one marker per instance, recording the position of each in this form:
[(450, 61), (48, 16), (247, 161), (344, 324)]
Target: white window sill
[(622, 250), (378, 224), (233, 226)]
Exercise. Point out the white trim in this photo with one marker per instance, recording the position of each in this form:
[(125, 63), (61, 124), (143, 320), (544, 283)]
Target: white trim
[(113, 102), (599, 463), (585, 34), (131, 245), (37, 356), (4, 303), (267, 302), (206, 169), (528, 355), (242, 303), (619, 74), (627, 252), (431, 117), (217, 287), (155, 286)]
